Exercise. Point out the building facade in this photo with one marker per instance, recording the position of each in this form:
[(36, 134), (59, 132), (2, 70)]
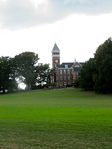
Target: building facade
[(65, 73)]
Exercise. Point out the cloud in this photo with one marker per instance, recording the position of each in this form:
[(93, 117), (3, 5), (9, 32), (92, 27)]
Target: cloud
[(84, 6), (23, 13), (16, 14)]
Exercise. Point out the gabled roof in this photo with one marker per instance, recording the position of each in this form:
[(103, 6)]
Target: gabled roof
[(70, 64), (55, 48), (76, 66)]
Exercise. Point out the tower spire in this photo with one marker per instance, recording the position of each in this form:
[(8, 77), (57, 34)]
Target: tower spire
[(55, 48), (55, 56)]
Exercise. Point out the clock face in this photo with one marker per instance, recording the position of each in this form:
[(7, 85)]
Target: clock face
[(56, 61)]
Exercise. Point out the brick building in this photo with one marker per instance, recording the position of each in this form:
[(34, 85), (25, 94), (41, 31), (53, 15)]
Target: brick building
[(65, 73)]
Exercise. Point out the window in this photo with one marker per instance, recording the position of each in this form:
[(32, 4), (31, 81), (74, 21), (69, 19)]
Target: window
[(64, 77), (64, 71), (61, 78), (57, 78), (60, 71), (68, 71), (68, 77), (77, 66)]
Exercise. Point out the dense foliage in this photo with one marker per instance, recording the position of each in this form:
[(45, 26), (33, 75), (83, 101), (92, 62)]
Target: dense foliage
[(25, 67), (41, 76), (87, 75), (7, 75), (22, 68), (103, 60), (96, 74)]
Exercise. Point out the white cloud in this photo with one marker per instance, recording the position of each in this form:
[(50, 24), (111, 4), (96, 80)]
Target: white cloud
[(77, 36), (23, 13), (41, 6), (16, 14)]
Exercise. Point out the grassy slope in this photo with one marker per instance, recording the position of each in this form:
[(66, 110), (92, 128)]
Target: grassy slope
[(58, 119)]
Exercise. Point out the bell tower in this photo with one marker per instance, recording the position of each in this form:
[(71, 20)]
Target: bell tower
[(55, 56)]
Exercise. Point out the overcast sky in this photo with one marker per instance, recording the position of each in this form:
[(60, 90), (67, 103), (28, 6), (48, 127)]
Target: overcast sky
[(77, 26)]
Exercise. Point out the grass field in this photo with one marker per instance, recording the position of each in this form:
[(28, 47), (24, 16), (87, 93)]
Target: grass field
[(56, 119)]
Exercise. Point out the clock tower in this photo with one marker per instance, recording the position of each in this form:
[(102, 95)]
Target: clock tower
[(55, 56)]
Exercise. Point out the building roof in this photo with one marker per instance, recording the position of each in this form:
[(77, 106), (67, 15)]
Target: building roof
[(65, 64), (76, 66), (55, 48)]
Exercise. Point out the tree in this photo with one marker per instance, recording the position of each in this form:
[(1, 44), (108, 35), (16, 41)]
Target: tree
[(87, 75), (42, 76), (103, 60), (25, 67), (97, 72), (76, 83), (7, 77)]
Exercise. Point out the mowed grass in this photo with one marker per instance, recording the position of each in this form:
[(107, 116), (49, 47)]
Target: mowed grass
[(56, 119)]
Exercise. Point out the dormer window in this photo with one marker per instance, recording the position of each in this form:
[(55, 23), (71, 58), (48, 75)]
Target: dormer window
[(66, 66), (77, 66)]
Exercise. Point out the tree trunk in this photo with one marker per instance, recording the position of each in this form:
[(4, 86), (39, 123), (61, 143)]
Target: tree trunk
[(28, 87), (3, 90)]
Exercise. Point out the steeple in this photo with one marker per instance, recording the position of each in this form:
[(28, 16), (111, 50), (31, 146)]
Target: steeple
[(55, 56), (55, 48)]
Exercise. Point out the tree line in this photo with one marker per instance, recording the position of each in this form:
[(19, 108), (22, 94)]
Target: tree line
[(23, 68), (96, 73)]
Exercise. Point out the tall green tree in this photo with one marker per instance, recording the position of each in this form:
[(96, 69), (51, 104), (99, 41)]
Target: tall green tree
[(42, 76), (7, 75), (87, 75), (25, 67), (97, 73), (103, 60)]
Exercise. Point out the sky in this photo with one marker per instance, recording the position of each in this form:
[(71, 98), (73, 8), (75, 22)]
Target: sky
[(77, 26)]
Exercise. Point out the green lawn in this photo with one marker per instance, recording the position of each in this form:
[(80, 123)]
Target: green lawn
[(56, 119)]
